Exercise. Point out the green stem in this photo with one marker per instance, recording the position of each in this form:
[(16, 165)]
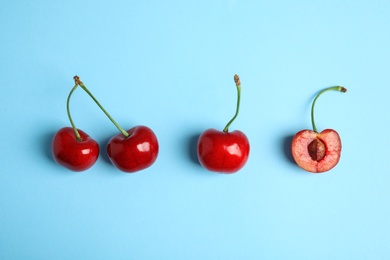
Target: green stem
[(69, 116), (238, 86), (81, 84), (337, 88)]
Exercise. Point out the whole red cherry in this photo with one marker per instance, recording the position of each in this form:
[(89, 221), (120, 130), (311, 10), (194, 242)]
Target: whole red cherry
[(134, 152), (224, 151), (315, 151), (73, 153), (73, 148)]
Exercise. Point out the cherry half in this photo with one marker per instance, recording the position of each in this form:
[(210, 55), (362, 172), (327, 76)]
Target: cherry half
[(73, 148), (224, 151), (317, 152)]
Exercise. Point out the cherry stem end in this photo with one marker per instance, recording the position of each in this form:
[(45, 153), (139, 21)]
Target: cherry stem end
[(335, 88)]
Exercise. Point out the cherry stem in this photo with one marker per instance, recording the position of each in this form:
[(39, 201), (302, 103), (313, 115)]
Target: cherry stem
[(81, 84), (78, 138), (337, 88), (238, 86)]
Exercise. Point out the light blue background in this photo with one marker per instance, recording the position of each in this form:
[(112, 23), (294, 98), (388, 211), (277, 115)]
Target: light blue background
[(170, 65)]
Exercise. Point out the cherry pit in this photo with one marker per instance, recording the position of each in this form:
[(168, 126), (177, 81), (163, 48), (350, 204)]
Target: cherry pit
[(130, 151)]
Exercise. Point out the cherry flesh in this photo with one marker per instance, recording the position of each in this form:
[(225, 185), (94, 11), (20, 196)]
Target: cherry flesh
[(316, 152), (73, 154), (136, 152)]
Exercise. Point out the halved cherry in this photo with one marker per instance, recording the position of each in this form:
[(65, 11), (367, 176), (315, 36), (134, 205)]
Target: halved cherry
[(317, 152)]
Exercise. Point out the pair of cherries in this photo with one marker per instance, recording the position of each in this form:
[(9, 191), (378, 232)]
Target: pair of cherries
[(130, 151), (218, 151)]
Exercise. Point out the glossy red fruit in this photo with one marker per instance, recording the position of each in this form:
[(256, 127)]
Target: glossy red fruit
[(133, 153), (73, 154), (316, 152), (224, 152)]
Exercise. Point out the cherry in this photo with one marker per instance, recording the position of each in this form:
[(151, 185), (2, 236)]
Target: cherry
[(224, 151), (73, 148), (76, 155), (133, 153), (132, 150), (317, 152)]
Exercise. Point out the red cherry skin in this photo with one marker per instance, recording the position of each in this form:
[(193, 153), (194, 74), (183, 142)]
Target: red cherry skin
[(330, 157), (223, 152), (72, 154), (133, 153)]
